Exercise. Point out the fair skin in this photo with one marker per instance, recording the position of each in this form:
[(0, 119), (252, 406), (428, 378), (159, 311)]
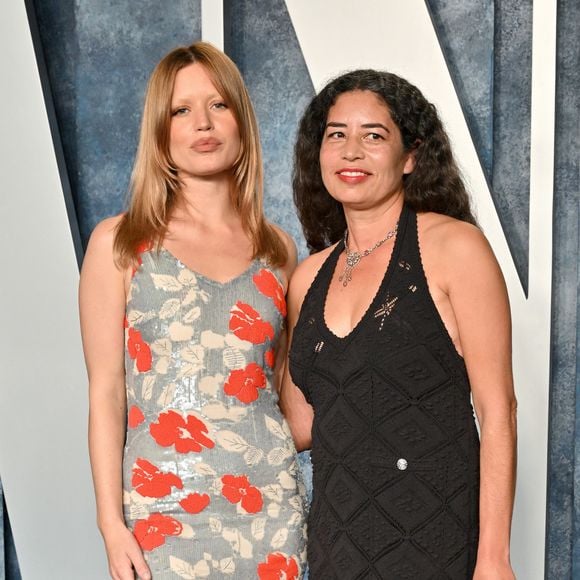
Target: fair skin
[(206, 234), (363, 163)]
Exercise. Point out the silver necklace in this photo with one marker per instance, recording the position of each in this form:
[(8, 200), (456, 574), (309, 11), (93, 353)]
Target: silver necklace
[(353, 258)]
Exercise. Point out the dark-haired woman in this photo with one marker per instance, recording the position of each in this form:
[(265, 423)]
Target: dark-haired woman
[(400, 318)]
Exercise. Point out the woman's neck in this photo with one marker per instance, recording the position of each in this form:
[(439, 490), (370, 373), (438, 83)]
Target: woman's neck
[(206, 201), (366, 227)]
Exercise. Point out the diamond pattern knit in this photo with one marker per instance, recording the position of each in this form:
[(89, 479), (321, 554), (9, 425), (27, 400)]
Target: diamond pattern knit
[(395, 449)]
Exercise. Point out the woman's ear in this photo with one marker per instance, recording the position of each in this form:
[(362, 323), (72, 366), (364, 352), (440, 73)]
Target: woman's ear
[(411, 155), (410, 163)]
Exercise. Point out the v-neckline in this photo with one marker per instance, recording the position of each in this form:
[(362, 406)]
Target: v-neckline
[(330, 268), (207, 278)]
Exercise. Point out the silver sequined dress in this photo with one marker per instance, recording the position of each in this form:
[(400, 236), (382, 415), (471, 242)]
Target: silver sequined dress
[(211, 482)]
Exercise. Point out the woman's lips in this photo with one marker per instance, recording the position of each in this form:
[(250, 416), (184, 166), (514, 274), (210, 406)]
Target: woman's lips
[(206, 145), (352, 175)]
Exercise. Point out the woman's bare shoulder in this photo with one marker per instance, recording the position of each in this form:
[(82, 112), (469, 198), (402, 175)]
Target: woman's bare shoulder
[(306, 272), (455, 253), (103, 235), (100, 250), (456, 238)]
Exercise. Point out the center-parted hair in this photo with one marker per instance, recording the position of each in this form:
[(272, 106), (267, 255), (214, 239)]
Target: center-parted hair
[(155, 185), (434, 185)]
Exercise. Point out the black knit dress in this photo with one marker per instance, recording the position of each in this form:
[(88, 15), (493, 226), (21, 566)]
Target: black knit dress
[(395, 450)]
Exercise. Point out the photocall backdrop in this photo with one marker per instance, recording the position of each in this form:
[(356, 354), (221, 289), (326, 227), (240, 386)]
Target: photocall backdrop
[(504, 76)]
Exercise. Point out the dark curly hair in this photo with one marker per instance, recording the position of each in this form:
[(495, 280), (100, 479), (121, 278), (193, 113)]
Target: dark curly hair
[(434, 185)]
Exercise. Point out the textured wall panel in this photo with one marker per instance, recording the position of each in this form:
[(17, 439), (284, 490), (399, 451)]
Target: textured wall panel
[(263, 44), (564, 466), (512, 84), (100, 55), (469, 54)]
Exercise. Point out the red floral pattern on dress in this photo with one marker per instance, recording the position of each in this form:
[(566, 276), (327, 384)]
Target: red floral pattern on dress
[(277, 567), (139, 350), (140, 249), (149, 481), (186, 434), (195, 502), (270, 358), (237, 489), (247, 324), (269, 286), (135, 417), (165, 504), (244, 383), (151, 533)]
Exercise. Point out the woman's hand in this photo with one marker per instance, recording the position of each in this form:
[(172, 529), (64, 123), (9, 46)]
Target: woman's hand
[(125, 556)]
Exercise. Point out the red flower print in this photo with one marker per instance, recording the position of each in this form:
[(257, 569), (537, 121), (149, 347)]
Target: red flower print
[(125, 322), (139, 350), (269, 286), (186, 434), (238, 490), (149, 481), (151, 533), (195, 502), (247, 324), (135, 417), (140, 249), (244, 383), (270, 358), (277, 566)]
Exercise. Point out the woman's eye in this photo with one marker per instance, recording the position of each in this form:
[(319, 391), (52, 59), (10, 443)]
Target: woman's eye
[(180, 111), (374, 137), (336, 135), (219, 106)]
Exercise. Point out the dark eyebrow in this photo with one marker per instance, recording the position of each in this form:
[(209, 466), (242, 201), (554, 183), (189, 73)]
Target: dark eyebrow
[(375, 126), (365, 126)]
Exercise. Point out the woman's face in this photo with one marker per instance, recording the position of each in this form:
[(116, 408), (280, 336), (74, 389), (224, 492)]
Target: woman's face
[(204, 137), (362, 159)]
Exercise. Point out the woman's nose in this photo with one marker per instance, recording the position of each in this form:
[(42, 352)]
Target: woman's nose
[(202, 121), (352, 149)]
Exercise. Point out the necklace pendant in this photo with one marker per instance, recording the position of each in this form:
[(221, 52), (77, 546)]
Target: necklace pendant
[(352, 259), (346, 276)]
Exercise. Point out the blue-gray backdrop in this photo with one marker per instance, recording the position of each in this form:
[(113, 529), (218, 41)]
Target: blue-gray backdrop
[(98, 57)]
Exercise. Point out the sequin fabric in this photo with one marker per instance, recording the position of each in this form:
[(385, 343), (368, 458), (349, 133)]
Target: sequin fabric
[(211, 482), (395, 449)]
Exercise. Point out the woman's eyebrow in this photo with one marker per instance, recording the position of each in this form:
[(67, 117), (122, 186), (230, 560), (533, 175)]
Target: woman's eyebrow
[(375, 126), (365, 126)]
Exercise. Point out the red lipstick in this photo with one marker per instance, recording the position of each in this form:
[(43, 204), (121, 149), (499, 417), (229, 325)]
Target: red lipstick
[(352, 175)]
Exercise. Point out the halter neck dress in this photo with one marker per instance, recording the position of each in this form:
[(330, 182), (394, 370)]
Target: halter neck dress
[(395, 450), (211, 482)]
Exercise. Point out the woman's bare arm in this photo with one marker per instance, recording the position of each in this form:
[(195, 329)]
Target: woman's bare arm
[(478, 297), (102, 308), (296, 409)]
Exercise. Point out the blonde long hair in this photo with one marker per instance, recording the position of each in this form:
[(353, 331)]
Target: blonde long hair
[(154, 182)]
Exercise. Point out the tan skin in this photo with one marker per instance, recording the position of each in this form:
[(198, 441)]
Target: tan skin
[(206, 234), (465, 283)]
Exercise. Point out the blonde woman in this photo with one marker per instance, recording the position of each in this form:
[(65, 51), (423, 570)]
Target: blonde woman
[(182, 311)]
